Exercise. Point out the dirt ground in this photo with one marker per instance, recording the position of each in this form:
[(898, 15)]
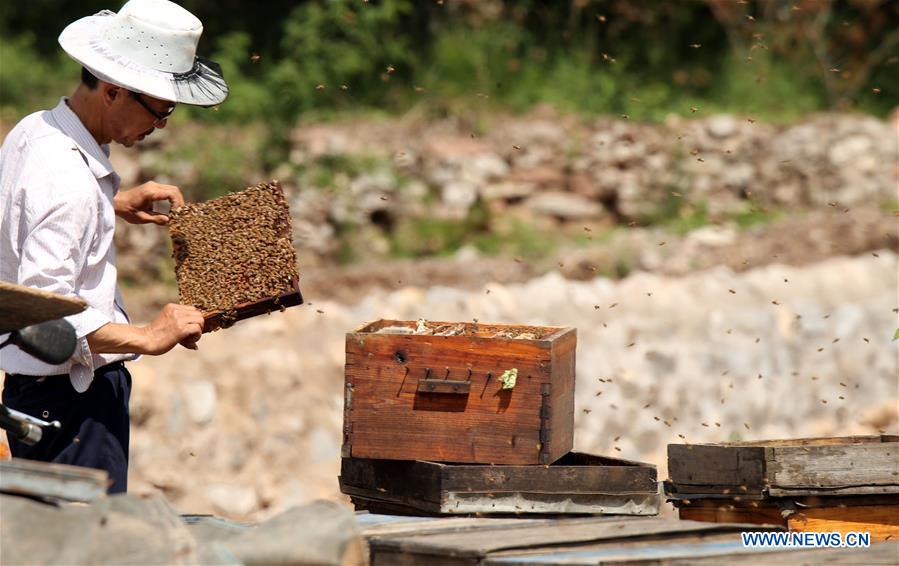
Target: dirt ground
[(796, 239)]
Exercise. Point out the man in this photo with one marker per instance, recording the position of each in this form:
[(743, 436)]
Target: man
[(58, 201)]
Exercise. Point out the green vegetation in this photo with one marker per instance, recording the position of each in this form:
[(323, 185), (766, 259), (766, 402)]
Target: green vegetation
[(642, 58)]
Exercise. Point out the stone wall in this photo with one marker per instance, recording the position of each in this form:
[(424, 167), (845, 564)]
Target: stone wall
[(551, 172)]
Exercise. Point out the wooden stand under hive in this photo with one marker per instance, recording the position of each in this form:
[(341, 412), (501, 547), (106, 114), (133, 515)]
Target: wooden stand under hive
[(234, 255)]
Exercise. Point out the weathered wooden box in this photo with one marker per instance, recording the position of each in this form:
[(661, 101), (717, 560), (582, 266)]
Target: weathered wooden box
[(843, 484), (575, 484), (440, 392)]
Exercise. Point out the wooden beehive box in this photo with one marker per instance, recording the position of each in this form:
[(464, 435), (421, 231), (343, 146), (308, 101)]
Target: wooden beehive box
[(234, 255), (436, 391), (843, 484), (575, 484)]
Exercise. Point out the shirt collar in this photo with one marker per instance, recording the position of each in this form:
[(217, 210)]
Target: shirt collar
[(96, 155)]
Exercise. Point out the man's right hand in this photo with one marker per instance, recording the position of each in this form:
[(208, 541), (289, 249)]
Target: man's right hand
[(175, 324)]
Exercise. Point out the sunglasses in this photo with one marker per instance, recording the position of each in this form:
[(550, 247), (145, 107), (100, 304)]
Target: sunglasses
[(160, 117)]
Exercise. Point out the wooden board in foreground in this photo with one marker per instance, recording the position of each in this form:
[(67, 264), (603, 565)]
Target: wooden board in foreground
[(52, 481), (419, 541), (22, 306)]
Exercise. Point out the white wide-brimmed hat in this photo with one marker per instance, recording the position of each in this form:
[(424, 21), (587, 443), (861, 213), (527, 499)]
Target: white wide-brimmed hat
[(150, 47)]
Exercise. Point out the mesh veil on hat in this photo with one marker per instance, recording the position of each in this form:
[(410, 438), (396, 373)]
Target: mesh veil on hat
[(149, 46)]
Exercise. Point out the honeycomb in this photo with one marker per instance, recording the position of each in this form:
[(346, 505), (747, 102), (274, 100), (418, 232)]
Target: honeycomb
[(234, 250)]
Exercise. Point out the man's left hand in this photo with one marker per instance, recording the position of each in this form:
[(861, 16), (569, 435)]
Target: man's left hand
[(135, 206)]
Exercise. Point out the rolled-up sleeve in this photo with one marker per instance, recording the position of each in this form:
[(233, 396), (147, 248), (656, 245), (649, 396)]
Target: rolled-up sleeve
[(60, 235)]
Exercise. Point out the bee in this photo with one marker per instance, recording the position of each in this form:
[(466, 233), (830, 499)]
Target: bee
[(875, 90), (255, 57), (320, 87), (695, 45), (601, 18), (517, 147), (693, 109)]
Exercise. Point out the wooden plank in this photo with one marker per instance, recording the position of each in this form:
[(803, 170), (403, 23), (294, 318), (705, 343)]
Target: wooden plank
[(373, 525), (488, 425), (478, 543), (46, 480), (379, 478), (574, 473), (734, 512), (884, 553), (577, 483), (834, 466), (223, 319), (560, 420), (22, 306), (882, 521), (553, 503), (638, 551), (709, 464), (812, 441)]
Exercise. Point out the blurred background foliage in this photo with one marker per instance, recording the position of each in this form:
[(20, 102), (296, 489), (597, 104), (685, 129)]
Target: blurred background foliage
[(776, 59)]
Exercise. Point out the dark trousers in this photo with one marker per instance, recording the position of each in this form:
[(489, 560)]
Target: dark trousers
[(95, 427)]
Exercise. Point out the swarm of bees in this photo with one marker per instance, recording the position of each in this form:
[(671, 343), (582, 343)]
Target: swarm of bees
[(234, 250)]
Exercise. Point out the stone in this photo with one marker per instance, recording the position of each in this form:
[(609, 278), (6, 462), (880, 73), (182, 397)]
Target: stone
[(508, 190), (722, 126), (459, 195), (232, 500), (200, 398), (323, 446), (566, 206)]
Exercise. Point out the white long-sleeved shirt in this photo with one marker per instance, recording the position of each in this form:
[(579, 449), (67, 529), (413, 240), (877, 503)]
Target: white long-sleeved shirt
[(56, 231)]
